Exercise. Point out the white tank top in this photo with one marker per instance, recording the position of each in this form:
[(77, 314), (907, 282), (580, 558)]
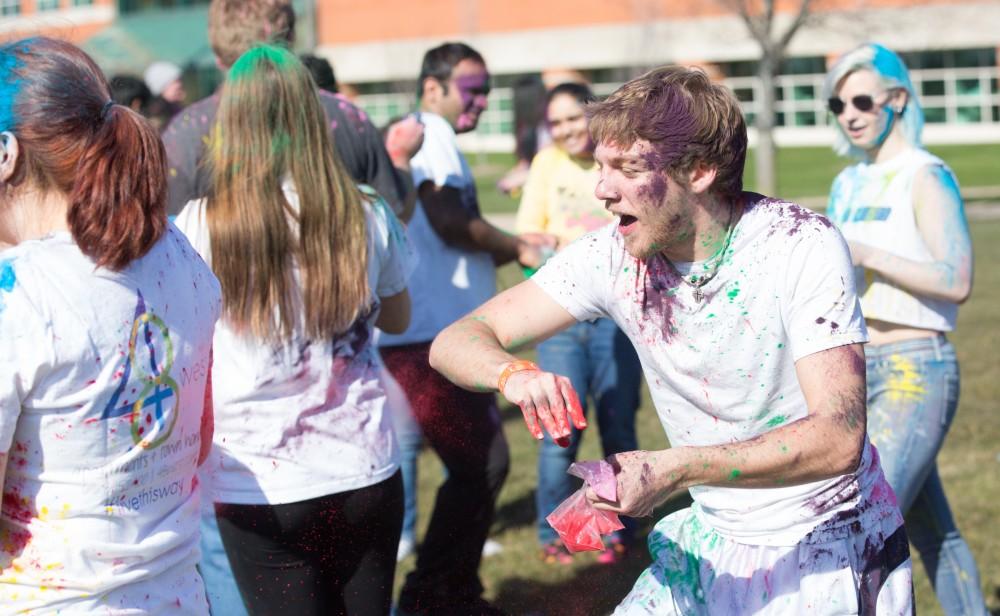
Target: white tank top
[(873, 204)]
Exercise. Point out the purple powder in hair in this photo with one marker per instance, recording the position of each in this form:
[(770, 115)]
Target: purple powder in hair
[(670, 127)]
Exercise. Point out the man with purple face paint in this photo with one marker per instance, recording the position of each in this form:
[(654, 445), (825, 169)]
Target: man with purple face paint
[(744, 314), (458, 254)]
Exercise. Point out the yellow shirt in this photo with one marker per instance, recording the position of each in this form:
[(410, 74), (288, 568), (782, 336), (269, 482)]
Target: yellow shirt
[(559, 197)]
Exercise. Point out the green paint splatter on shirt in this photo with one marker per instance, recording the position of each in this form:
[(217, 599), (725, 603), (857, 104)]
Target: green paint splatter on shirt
[(777, 420), (732, 293)]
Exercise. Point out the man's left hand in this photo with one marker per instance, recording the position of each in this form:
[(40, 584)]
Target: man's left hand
[(645, 480)]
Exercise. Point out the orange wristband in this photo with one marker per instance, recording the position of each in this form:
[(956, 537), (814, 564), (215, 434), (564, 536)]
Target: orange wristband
[(514, 366)]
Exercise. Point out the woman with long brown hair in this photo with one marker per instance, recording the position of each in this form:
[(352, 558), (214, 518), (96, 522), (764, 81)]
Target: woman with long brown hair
[(106, 324), (304, 472)]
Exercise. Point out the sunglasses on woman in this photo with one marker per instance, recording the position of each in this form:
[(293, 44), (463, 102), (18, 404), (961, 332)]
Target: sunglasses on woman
[(861, 102)]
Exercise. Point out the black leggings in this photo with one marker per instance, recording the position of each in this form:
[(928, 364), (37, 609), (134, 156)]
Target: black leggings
[(334, 554)]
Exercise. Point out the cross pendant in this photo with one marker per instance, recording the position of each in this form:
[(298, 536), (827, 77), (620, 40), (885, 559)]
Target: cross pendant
[(698, 295)]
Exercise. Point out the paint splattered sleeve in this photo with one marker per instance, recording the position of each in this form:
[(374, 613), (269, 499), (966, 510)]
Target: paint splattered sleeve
[(819, 303), (579, 278), (390, 246), (23, 349)]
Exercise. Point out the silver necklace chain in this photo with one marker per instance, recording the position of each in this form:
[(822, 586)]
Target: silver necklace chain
[(697, 282)]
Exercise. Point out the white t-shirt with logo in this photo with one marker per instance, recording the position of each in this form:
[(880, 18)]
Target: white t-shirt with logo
[(723, 370), (872, 203), (448, 282), (307, 418), (102, 386)]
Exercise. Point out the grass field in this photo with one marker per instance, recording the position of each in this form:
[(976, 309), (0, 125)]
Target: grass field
[(521, 584), (802, 172)]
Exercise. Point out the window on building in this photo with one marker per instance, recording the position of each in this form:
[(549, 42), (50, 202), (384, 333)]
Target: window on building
[(803, 66), (955, 86), (935, 115), (132, 6), (932, 87), (46, 5), (10, 7)]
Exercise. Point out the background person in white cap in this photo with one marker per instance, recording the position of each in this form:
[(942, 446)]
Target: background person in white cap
[(164, 80)]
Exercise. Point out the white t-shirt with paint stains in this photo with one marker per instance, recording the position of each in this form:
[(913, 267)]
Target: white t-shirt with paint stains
[(723, 371), (102, 386), (308, 418)]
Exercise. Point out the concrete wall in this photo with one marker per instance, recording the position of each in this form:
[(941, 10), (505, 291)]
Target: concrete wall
[(385, 41)]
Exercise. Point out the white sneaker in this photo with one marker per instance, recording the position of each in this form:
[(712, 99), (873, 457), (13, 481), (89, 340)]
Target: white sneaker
[(406, 547), (491, 548)]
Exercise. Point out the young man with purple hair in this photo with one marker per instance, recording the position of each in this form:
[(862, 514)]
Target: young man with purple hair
[(744, 314)]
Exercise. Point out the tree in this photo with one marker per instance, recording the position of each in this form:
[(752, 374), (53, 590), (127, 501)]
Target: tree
[(759, 16)]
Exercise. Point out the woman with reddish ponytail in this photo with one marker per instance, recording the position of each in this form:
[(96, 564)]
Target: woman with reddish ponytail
[(106, 323)]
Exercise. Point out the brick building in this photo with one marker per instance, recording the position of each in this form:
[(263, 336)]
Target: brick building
[(376, 45)]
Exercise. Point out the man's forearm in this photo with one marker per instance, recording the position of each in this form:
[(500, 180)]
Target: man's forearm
[(813, 448), (469, 354), (502, 246)]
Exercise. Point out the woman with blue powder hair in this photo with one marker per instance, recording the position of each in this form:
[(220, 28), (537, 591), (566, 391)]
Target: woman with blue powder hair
[(900, 210)]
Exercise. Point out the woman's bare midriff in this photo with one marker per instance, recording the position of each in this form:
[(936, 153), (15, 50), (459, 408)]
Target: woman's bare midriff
[(882, 332)]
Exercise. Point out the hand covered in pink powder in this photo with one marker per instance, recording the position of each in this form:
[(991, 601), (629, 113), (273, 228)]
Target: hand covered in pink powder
[(546, 398), (404, 139), (579, 524), (645, 479)]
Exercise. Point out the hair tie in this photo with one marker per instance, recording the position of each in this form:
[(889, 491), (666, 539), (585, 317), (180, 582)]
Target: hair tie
[(107, 107)]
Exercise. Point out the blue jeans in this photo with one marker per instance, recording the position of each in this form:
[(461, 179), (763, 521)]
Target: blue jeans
[(600, 361), (912, 398), (224, 597), (410, 440)]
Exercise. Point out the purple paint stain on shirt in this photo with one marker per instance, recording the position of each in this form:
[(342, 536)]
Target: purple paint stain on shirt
[(659, 293)]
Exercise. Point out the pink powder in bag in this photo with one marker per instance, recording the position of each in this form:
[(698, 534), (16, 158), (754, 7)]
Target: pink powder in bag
[(599, 475), (578, 523)]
